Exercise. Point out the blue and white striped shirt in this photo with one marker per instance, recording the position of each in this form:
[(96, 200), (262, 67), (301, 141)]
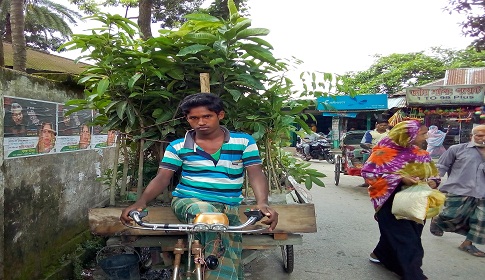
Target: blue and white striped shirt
[(206, 178)]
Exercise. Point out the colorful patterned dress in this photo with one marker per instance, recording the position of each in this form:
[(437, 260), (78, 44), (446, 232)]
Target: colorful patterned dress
[(399, 248)]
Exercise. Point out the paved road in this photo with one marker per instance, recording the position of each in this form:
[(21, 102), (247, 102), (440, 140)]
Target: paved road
[(346, 235)]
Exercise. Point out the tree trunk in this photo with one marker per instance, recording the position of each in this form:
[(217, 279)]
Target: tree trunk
[(3, 15), (145, 18), (17, 21), (2, 55)]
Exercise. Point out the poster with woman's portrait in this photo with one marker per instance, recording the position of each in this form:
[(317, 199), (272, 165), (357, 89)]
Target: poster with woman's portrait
[(29, 127), (73, 132), (103, 139)]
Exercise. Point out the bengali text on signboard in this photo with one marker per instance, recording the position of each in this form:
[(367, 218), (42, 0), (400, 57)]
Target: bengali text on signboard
[(445, 95)]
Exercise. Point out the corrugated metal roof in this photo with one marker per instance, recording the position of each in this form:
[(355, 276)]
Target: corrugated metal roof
[(44, 62), (396, 102), (465, 76)]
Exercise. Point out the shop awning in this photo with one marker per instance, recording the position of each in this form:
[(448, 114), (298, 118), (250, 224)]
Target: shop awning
[(396, 102)]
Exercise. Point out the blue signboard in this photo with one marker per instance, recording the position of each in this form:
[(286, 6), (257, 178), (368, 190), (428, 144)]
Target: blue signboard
[(347, 103)]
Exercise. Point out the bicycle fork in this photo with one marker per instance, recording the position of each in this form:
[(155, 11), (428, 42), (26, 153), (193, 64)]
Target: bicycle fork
[(195, 251), (178, 251)]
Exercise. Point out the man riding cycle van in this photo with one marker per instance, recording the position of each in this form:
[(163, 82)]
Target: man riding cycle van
[(212, 161)]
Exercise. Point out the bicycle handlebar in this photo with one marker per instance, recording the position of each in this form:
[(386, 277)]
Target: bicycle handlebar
[(253, 217)]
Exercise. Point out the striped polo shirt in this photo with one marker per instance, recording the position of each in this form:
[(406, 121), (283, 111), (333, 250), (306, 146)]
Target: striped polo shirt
[(206, 178)]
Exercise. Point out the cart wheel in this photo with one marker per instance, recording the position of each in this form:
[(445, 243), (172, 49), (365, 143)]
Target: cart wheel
[(288, 258), (338, 165)]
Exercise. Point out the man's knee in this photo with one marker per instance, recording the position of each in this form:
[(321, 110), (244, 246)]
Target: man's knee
[(186, 208)]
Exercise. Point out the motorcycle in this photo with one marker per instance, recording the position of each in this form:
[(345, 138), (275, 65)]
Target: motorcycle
[(319, 149)]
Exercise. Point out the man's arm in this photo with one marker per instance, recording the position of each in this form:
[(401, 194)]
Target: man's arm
[(366, 140), (259, 184), (154, 188), (446, 161)]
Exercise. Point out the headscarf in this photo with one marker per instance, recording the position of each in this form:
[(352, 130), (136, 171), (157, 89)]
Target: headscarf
[(393, 158), (435, 136)]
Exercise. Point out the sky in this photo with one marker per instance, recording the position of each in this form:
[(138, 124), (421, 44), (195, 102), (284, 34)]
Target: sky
[(340, 36)]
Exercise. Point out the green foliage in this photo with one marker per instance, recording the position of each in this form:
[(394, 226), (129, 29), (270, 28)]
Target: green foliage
[(85, 255), (467, 58), (391, 74), (46, 24), (300, 170), (218, 8), (137, 85), (150, 169), (168, 13), (473, 25)]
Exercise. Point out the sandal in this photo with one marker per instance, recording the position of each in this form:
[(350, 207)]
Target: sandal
[(435, 229), (472, 250), (373, 258)]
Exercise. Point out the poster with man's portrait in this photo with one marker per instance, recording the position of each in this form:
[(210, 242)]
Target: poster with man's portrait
[(29, 127)]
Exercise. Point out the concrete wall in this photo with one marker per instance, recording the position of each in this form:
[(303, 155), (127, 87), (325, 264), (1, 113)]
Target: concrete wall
[(45, 199), (2, 181)]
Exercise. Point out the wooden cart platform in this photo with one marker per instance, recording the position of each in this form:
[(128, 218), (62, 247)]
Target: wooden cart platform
[(293, 220)]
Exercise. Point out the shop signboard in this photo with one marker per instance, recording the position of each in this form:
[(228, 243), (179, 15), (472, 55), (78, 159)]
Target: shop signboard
[(356, 103), (445, 95)]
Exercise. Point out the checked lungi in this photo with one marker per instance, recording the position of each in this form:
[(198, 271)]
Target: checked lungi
[(464, 215), (230, 250)]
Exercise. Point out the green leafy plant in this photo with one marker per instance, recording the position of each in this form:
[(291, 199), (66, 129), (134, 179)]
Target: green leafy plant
[(137, 85)]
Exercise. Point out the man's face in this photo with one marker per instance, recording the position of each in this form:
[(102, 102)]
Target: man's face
[(17, 117), (381, 127), (203, 120), (479, 138)]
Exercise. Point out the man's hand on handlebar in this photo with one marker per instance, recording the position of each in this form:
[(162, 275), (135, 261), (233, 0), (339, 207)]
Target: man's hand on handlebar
[(271, 214), (125, 218)]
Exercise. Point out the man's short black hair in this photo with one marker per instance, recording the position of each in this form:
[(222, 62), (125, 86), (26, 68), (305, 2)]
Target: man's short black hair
[(382, 119), (211, 101)]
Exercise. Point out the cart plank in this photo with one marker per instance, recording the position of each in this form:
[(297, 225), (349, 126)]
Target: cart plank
[(293, 218)]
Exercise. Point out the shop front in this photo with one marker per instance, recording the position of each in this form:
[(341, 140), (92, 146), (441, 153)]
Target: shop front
[(356, 113), (454, 109)]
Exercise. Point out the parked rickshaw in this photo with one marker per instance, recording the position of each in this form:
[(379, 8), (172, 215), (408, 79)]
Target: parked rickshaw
[(353, 155)]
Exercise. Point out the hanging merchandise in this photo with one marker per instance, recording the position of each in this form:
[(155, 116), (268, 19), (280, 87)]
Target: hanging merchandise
[(416, 114), (396, 118)]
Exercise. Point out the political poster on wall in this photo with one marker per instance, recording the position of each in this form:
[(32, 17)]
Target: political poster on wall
[(35, 127), (102, 138), (29, 128), (74, 131)]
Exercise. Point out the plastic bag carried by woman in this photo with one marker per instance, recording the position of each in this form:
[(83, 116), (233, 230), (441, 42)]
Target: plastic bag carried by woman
[(417, 203)]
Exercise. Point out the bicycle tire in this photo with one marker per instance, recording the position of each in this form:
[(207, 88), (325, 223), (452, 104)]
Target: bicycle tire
[(338, 165), (288, 255)]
